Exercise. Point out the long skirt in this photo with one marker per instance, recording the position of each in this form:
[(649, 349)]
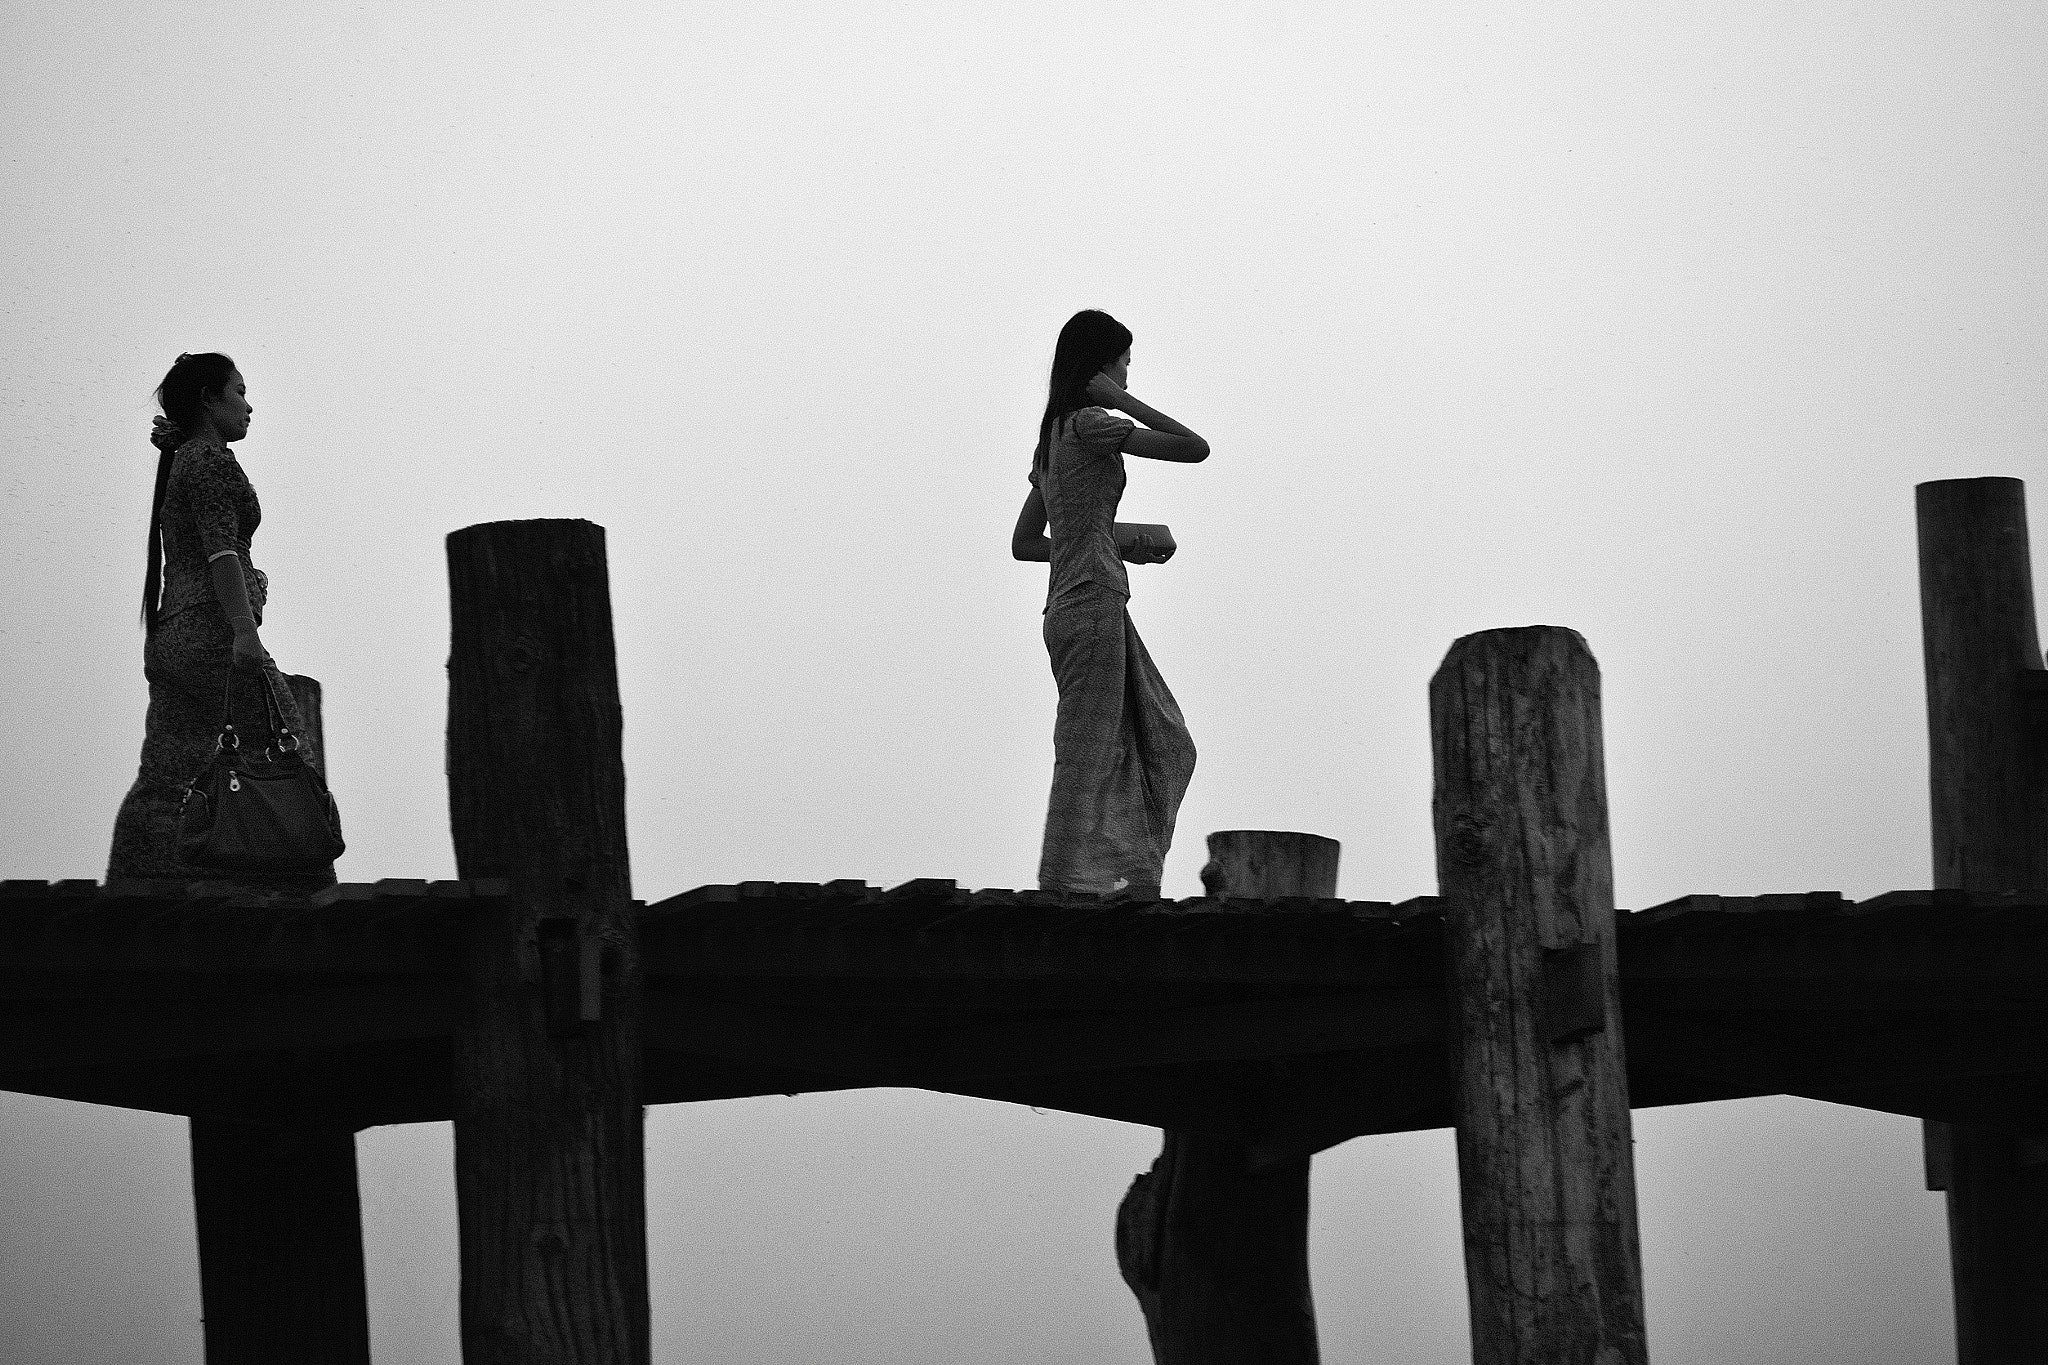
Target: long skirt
[(1122, 755), (187, 662)]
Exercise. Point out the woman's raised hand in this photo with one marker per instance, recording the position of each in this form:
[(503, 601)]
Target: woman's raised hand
[(1104, 393)]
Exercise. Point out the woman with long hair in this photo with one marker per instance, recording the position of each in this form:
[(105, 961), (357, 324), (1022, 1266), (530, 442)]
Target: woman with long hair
[(202, 606), (1122, 756)]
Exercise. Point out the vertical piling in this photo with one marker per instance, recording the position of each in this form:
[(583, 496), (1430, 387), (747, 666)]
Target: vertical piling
[(1988, 784), (280, 1245), (549, 1165), (1546, 1174), (1216, 1253), (279, 1219)]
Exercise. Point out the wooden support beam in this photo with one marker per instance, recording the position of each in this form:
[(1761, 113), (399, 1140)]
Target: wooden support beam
[(280, 1245), (854, 1044), (276, 1208), (1315, 1103), (97, 1032), (1215, 1249), (1988, 783), (1791, 1053), (549, 1178), (1546, 1175)]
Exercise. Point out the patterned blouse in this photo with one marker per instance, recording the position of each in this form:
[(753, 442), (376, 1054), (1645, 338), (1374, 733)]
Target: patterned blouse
[(1081, 479), (209, 506)]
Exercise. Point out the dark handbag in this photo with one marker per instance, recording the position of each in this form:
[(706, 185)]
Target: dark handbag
[(251, 812)]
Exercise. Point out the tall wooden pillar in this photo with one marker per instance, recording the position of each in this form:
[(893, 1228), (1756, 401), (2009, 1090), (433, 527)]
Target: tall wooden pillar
[(280, 1245), (1988, 780), (279, 1221), (1217, 1253), (549, 1168), (1546, 1173)]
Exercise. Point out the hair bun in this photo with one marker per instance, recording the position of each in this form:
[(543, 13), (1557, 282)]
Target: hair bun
[(165, 436)]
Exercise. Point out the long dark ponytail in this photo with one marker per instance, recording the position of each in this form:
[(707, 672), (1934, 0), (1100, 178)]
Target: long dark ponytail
[(182, 396), (1090, 340)]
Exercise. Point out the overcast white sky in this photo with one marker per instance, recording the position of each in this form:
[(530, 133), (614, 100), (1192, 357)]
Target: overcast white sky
[(1639, 320)]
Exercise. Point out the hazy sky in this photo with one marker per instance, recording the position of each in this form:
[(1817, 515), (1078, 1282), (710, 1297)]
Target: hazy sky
[(1639, 320)]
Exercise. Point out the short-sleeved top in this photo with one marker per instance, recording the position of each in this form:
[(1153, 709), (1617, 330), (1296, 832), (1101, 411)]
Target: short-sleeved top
[(1081, 478), (209, 506)]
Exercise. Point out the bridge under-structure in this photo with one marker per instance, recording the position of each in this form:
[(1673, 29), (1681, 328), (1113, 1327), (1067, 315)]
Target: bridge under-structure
[(538, 1006)]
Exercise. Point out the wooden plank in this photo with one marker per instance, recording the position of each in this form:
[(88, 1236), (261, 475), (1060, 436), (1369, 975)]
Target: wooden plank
[(548, 1119), (1988, 782), (1546, 1172)]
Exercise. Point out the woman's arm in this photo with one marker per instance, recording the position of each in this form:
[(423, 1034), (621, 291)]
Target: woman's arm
[(1167, 439), (233, 595), (1028, 540), (208, 480)]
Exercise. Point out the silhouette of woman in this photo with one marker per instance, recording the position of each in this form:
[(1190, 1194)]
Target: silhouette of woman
[(1122, 755), (202, 602)]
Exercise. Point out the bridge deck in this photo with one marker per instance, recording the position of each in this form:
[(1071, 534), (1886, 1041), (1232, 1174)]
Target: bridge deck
[(1290, 1024)]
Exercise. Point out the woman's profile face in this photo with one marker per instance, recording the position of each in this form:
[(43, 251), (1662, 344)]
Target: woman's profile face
[(1119, 370), (230, 410)]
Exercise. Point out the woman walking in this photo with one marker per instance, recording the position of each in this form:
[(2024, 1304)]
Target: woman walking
[(1122, 756), (202, 605)]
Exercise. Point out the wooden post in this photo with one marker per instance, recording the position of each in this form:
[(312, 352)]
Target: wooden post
[(279, 1222), (280, 1245), (1988, 780), (313, 738), (1546, 1174), (549, 1172), (1218, 1254)]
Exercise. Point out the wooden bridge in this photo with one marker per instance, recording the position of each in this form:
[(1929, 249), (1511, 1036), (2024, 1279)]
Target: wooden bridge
[(538, 1006)]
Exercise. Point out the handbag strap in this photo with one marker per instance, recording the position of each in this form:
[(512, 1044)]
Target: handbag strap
[(282, 738), (228, 739)]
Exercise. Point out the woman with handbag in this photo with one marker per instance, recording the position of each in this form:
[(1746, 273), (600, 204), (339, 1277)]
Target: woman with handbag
[(1122, 756), (202, 605)]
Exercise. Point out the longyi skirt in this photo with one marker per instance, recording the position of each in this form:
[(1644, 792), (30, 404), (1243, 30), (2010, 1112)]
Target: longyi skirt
[(1122, 756), (187, 661)]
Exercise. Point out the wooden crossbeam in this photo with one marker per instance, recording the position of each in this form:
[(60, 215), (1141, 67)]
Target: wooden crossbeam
[(939, 1058), (101, 1032), (1797, 1056), (184, 1000)]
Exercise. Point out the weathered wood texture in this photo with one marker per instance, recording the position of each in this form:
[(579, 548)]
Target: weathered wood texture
[(1987, 759), (1216, 1251), (1546, 1174), (279, 1222), (1268, 864), (313, 739), (548, 1122), (280, 1245), (1988, 783)]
